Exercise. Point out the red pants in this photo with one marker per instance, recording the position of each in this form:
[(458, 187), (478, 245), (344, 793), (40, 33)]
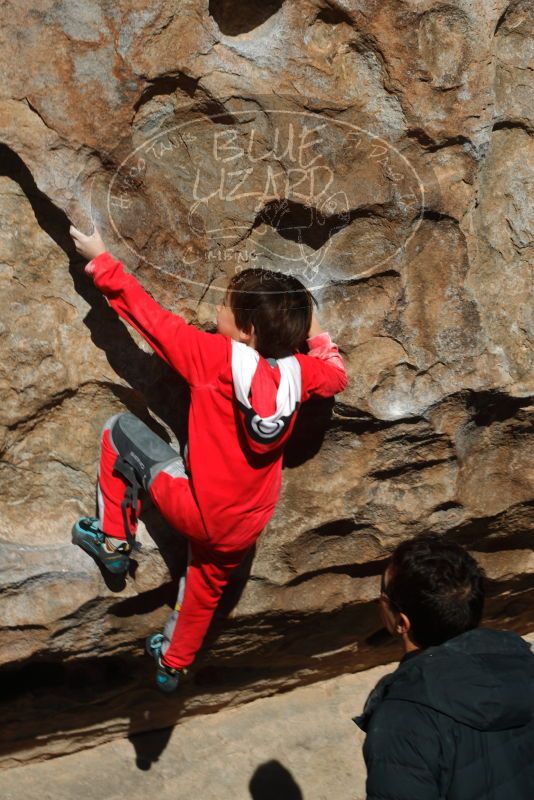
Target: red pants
[(163, 475)]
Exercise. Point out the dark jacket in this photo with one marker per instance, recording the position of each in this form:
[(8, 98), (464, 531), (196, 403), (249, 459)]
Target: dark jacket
[(454, 722)]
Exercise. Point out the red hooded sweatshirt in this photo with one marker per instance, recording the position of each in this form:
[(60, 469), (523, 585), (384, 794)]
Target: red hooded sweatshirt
[(234, 455)]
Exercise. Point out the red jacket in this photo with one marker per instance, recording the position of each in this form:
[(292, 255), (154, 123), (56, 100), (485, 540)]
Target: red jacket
[(235, 487)]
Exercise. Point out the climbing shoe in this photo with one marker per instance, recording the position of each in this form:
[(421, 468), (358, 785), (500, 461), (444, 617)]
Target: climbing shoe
[(87, 534), (167, 678)]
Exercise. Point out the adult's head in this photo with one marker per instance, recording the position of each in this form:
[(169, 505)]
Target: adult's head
[(432, 590), (269, 310)]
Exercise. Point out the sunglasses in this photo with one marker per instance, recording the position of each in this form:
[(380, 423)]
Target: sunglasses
[(384, 592)]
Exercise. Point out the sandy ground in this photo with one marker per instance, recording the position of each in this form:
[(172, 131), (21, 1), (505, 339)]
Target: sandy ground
[(301, 745), (294, 746)]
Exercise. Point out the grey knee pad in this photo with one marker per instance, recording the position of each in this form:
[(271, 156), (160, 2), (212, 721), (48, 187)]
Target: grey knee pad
[(146, 452), (141, 455)]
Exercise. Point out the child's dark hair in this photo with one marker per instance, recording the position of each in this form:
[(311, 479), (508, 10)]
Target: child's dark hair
[(279, 307), (438, 585)]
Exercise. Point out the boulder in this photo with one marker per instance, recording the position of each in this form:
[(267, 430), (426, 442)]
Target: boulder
[(382, 152)]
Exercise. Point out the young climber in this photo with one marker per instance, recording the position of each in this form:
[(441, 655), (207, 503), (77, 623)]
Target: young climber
[(247, 384)]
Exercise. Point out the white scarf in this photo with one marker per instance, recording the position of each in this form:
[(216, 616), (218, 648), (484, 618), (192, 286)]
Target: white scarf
[(244, 363)]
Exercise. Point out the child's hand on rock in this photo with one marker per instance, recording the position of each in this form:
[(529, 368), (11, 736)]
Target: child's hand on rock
[(88, 246)]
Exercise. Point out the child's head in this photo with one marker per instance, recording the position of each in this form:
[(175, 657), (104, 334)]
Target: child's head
[(268, 310)]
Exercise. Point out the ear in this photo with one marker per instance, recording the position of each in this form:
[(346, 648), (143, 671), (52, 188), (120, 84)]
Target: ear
[(402, 624), (246, 337)]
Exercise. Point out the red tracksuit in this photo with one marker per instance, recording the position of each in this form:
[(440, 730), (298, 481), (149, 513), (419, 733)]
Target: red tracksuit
[(233, 488)]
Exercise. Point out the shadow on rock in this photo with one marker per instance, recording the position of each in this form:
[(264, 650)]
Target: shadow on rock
[(153, 384), (149, 746), (272, 780), (308, 434)]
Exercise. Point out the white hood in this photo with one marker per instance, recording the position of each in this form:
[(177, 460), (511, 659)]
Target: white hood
[(288, 393)]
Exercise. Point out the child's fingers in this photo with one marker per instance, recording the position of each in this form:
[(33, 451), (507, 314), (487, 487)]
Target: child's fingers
[(77, 237), (87, 246), (76, 234)]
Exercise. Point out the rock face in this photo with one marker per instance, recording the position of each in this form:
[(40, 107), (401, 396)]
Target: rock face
[(383, 152)]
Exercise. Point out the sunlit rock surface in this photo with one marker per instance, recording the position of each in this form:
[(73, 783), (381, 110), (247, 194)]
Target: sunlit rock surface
[(383, 152)]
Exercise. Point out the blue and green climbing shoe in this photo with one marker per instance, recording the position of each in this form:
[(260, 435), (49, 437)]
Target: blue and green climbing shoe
[(167, 678), (87, 534)]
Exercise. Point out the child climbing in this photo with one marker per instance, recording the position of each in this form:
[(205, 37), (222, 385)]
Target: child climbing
[(247, 384)]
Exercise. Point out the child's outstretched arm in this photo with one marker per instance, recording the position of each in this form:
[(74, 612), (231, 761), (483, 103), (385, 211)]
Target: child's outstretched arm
[(324, 373), (196, 355)]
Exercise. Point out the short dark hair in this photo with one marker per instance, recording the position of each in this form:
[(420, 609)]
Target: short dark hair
[(438, 585), (278, 305)]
